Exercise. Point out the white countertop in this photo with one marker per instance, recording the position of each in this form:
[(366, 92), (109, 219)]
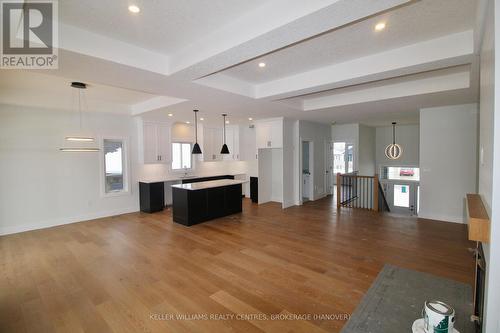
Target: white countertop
[(209, 184), (174, 178)]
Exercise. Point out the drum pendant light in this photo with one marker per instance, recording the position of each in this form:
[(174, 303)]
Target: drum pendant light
[(224, 149), (393, 151), (196, 147)]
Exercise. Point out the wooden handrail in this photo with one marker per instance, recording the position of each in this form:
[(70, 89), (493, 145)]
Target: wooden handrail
[(478, 222)]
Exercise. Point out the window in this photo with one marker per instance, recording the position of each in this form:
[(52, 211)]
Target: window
[(181, 155), (114, 166), (400, 173)]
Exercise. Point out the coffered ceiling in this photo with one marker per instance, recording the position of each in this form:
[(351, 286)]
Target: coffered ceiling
[(324, 60)]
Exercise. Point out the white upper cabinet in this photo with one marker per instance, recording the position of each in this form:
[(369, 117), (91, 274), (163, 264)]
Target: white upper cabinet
[(156, 143), (212, 144), (269, 133), (233, 143), (248, 145)]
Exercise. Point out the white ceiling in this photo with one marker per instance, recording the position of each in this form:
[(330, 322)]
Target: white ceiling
[(229, 37), (416, 22), (49, 91), (162, 25)]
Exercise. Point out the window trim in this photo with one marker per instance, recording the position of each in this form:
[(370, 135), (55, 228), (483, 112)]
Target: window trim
[(172, 156), (126, 167)]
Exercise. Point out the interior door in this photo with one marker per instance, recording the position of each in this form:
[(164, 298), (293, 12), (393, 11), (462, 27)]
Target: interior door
[(402, 197), (329, 168)]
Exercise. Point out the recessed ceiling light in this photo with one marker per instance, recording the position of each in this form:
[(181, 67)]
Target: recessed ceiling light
[(250, 119), (202, 119), (188, 122), (262, 64), (380, 26), (170, 115), (134, 9), (227, 121)]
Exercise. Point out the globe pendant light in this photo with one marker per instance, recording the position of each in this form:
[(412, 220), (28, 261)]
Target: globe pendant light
[(196, 147), (224, 149), (79, 138), (393, 151)]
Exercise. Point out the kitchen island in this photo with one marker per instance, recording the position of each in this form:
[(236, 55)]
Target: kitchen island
[(198, 202)]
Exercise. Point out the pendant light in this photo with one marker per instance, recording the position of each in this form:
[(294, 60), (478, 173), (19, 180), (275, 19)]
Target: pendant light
[(394, 150), (79, 138), (196, 147), (224, 149)]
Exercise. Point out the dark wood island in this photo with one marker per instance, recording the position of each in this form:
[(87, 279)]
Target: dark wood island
[(203, 201)]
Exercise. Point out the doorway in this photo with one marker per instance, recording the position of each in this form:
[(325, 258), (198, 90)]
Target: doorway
[(401, 186), (307, 168), (343, 158)]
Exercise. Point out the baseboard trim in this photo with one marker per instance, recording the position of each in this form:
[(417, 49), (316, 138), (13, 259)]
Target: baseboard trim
[(452, 219), (63, 221)]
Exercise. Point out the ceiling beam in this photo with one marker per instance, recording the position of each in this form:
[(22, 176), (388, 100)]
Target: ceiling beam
[(451, 50), (154, 103), (262, 31), (451, 80)]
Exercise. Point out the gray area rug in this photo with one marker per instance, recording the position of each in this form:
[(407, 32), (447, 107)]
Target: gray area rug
[(396, 299)]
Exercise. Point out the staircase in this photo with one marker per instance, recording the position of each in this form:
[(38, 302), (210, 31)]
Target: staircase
[(363, 192)]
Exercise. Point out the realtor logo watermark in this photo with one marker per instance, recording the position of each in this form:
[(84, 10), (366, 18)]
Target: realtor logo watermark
[(29, 34)]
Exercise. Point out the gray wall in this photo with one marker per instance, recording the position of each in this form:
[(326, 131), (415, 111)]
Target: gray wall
[(366, 163), (489, 164), (407, 136), (448, 160)]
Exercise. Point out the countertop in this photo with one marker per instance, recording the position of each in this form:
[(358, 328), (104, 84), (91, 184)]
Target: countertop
[(174, 178), (209, 184)]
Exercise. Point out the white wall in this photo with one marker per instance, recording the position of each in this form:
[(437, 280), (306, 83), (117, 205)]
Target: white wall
[(320, 136), (366, 160), (448, 160), (42, 187), (408, 136), (489, 164)]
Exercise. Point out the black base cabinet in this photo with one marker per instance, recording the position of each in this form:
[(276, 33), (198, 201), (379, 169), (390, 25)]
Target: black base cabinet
[(195, 206), (254, 189), (151, 197)]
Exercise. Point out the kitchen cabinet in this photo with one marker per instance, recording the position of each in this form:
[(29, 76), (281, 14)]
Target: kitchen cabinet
[(212, 144), (269, 133), (151, 197), (156, 143), (233, 143)]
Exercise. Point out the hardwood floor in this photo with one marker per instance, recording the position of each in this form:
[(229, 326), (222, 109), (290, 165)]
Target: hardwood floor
[(130, 273)]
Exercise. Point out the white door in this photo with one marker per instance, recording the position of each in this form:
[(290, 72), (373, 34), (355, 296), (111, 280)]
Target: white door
[(329, 167), (402, 197)]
